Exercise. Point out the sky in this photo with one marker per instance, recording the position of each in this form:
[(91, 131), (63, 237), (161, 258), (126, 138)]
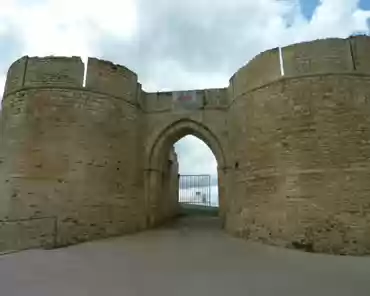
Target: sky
[(172, 45)]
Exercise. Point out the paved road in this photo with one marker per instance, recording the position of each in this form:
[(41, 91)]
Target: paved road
[(192, 257)]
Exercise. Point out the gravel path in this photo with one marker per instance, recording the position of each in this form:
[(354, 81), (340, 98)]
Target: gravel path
[(191, 257)]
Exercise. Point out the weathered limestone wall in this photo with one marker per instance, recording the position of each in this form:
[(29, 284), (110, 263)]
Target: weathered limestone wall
[(301, 150), (171, 116), (360, 47), (111, 79), (262, 69), (15, 76), (73, 160), (53, 71), (321, 56)]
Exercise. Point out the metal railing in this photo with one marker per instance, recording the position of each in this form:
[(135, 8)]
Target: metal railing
[(195, 190)]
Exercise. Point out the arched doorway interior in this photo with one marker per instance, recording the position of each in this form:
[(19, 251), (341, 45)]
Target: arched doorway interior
[(161, 205), (198, 182)]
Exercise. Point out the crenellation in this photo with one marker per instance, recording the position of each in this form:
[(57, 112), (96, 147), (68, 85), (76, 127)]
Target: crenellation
[(158, 101), (262, 69), (186, 101), (215, 98), (15, 75), (116, 80), (360, 48), (332, 55), (54, 71)]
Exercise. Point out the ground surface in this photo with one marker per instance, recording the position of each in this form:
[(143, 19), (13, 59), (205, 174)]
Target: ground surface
[(191, 257)]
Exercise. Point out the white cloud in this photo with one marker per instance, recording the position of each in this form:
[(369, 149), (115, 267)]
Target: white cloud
[(332, 18), (194, 156), (67, 27), (170, 44), (200, 42)]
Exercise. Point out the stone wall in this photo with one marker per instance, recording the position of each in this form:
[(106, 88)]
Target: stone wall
[(262, 69), (15, 76), (53, 71), (321, 56), (171, 116), (168, 206), (78, 163), (360, 47), (112, 79), (300, 170), (75, 155)]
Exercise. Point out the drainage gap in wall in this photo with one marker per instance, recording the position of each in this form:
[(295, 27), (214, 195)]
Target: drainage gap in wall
[(308, 247), (281, 61), (85, 61)]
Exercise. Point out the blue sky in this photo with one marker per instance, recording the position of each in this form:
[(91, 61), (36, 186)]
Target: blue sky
[(308, 7), (364, 4), (171, 44)]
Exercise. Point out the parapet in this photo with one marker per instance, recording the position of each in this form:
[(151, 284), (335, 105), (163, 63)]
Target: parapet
[(15, 76), (158, 101), (325, 56), (54, 71), (321, 56), (112, 79), (360, 46), (45, 71), (262, 69), (184, 101), (215, 98)]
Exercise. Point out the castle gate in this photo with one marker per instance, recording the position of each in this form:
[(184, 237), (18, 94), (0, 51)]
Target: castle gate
[(290, 133), (159, 148)]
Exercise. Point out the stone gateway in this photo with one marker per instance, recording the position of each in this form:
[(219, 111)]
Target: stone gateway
[(85, 161)]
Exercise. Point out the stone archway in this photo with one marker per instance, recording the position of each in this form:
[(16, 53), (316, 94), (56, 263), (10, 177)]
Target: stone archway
[(157, 151)]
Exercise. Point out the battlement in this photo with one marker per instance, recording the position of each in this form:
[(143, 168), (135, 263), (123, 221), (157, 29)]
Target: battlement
[(321, 56), (45, 71), (360, 48), (106, 77), (53, 71), (262, 69), (189, 100), (332, 55)]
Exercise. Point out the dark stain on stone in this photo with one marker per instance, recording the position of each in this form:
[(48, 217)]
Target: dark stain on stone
[(308, 247)]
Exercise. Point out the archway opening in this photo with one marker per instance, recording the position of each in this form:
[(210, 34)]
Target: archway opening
[(162, 170), (198, 179)]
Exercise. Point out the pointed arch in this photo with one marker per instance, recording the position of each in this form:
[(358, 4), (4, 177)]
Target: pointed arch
[(167, 137)]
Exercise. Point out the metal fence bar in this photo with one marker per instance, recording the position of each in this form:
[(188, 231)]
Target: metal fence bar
[(195, 189)]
